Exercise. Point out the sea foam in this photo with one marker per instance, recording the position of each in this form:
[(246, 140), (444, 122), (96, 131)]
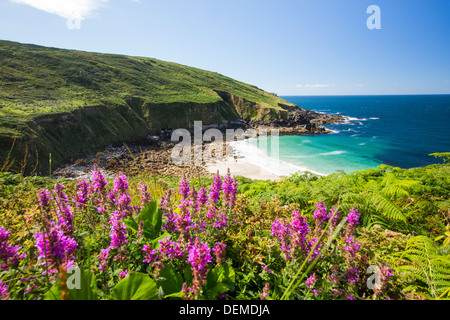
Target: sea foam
[(253, 155)]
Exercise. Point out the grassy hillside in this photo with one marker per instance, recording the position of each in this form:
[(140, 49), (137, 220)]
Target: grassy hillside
[(71, 102)]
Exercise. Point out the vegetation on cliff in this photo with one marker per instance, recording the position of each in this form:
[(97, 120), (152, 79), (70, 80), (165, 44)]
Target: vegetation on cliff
[(71, 103)]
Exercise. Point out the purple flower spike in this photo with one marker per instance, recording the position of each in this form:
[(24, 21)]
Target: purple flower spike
[(44, 199), (82, 196), (55, 248), (98, 180), (184, 188), (311, 280), (144, 195), (229, 190), (219, 252), (118, 232), (4, 295), (215, 189), (353, 217), (199, 255), (9, 254)]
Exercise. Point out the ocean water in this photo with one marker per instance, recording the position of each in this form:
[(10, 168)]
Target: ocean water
[(399, 131)]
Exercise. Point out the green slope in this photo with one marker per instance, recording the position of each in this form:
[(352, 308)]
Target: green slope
[(71, 102)]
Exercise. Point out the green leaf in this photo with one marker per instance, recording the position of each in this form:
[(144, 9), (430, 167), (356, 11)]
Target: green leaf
[(155, 242), (188, 275), (170, 280), (151, 215), (137, 286), (174, 295), (131, 223), (219, 280), (83, 287)]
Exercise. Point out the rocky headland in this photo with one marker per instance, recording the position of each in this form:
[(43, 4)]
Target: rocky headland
[(154, 156)]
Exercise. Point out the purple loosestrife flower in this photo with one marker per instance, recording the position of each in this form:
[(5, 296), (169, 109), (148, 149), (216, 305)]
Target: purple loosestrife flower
[(321, 216), (55, 248), (193, 195), (229, 190), (316, 252), (168, 213), (183, 220), (9, 254), (221, 220), (82, 196), (220, 253), (184, 188), (169, 249), (65, 214), (299, 233), (352, 275), (170, 224), (118, 232), (60, 195), (282, 233), (120, 184), (265, 293), (387, 271), (199, 255), (4, 295), (44, 199), (212, 212), (266, 269), (150, 254), (202, 197), (165, 200), (187, 291), (351, 245), (98, 180), (311, 280), (144, 195), (140, 231), (353, 217), (120, 197), (103, 257), (335, 220), (123, 203), (321, 211), (123, 274), (215, 189)]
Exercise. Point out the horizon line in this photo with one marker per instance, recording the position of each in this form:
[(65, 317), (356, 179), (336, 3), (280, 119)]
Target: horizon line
[(363, 95)]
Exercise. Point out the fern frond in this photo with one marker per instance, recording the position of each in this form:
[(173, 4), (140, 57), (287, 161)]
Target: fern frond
[(395, 192), (387, 208), (422, 261)]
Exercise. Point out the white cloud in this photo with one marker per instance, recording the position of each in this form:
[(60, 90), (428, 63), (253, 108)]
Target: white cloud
[(69, 9), (317, 85)]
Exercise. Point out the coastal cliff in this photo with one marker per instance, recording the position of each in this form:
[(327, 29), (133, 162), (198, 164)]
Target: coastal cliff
[(70, 103)]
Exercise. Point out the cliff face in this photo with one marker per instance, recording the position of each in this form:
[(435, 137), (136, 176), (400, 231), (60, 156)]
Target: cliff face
[(90, 129)]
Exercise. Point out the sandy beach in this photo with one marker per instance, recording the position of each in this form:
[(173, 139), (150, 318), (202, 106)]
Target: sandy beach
[(239, 167)]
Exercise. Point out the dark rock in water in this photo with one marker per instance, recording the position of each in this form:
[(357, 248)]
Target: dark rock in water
[(300, 121)]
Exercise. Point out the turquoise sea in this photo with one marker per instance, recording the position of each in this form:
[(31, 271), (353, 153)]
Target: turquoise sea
[(395, 130)]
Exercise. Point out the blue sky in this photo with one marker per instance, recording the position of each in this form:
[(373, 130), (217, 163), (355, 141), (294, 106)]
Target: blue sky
[(291, 47)]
